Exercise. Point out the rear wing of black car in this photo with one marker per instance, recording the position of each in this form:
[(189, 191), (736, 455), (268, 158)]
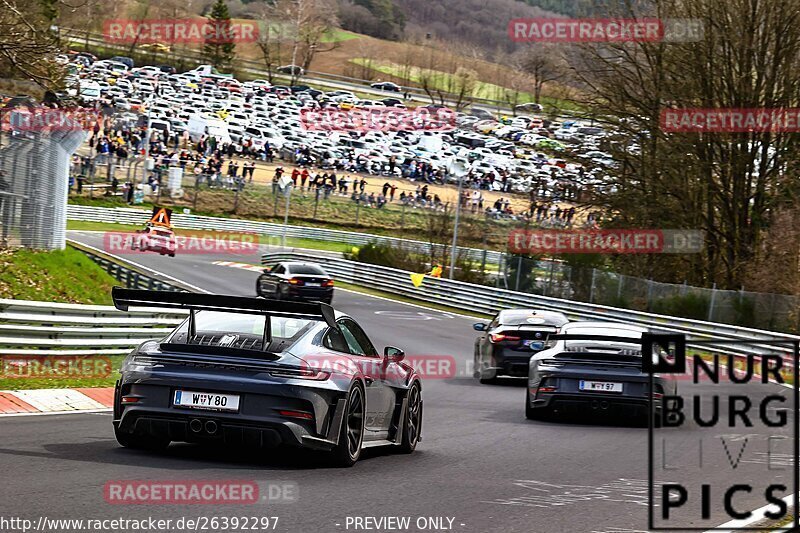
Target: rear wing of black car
[(124, 299)]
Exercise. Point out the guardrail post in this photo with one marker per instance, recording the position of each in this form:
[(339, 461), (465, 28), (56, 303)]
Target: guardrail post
[(519, 272), (712, 302), (649, 294), (591, 290)]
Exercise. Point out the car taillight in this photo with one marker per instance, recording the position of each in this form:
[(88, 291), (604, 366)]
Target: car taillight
[(498, 337), (295, 281), (304, 373), (297, 414), (328, 283)]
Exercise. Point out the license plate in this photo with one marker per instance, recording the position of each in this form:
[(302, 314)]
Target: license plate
[(206, 400), (313, 284), (533, 345), (600, 386)]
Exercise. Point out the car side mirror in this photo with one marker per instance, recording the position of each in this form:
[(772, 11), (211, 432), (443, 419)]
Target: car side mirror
[(479, 326), (393, 355)]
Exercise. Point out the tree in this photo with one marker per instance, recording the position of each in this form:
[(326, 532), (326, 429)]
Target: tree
[(219, 49), (727, 184), (306, 22), (543, 64), (27, 42), (271, 38)]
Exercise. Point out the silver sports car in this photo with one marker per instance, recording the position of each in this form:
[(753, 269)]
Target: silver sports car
[(594, 368), (264, 373)]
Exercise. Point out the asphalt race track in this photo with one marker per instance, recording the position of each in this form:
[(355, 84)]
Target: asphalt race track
[(480, 463)]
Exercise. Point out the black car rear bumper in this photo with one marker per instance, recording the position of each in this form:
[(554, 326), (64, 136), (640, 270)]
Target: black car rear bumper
[(267, 414), (589, 403)]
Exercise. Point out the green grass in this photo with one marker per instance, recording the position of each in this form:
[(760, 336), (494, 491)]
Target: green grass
[(258, 203), (58, 276), (64, 383), (337, 35), (293, 242), (445, 81)]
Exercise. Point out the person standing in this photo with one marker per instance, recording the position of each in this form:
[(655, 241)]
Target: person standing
[(276, 180), (303, 178)]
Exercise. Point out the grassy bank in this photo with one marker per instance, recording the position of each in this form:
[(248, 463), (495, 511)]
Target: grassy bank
[(59, 276)]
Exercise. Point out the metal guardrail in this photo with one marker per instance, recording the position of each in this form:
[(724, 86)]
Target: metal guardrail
[(56, 329), (34, 328), (120, 215), (720, 338), (133, 277)]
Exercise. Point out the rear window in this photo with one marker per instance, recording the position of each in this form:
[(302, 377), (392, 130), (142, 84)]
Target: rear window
[(529, 319), (306, 269), (238, 330)]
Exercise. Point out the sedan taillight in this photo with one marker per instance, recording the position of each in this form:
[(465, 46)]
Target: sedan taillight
[(296, 281), (500, 337), (328, 283)]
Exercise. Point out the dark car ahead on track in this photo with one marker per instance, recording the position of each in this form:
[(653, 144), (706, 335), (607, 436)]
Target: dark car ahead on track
[(250, 371), (295, 281), (594, 368), (507, 343)]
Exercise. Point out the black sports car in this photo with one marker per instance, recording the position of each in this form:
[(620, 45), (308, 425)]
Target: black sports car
[(596, 368), (260, 372), (295, 281), (507, 343)]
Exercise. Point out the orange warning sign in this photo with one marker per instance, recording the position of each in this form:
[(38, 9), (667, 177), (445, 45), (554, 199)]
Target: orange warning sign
[(161, 217)]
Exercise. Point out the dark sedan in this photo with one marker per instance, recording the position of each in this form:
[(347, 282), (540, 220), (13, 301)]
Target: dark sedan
[(295, 281), (594, 368), (507, 343), (263, 373)]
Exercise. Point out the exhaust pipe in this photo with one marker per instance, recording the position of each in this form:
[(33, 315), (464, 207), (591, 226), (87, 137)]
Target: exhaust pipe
[(604, 404), (595, 404), (211, 427), (196, 425)]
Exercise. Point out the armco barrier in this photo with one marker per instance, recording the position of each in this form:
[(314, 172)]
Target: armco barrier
[(121, 215), (722, 338), (57, 329), (131, 276)]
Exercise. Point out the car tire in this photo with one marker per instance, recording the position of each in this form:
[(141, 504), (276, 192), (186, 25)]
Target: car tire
[(172, 255), (486, 379), (139, 442), (351, 435), (530, 412), (413, 420)]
